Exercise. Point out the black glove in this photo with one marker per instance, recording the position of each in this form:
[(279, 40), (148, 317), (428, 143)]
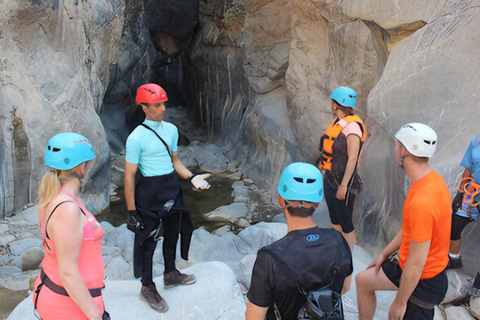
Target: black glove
[(134, 221), (457, 202)]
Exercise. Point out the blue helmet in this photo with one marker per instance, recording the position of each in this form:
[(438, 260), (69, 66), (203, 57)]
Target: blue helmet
[(67, 150), (344, 96), (301, 181)]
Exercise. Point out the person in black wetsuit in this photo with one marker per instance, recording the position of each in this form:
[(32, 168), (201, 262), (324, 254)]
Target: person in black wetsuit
[(157, 198), (308, 257)]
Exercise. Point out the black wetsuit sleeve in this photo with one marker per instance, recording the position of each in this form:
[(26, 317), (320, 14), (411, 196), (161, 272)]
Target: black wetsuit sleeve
[(261, 287)]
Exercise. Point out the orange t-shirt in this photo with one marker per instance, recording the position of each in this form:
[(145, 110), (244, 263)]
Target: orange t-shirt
[(427, 217)]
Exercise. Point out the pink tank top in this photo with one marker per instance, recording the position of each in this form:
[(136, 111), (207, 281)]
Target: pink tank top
[(90, 266)]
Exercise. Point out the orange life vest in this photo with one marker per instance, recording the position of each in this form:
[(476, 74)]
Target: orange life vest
[(334, 150)]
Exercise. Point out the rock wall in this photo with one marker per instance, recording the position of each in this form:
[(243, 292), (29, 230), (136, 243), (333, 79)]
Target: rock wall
[(255, 74), (55, 67), (408, 61)]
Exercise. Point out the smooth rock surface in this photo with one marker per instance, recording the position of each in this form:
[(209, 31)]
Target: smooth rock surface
[(455, 313), (54, 57), (18, 247), (228, 213), (458, 286), (475, 307), (215, 295)]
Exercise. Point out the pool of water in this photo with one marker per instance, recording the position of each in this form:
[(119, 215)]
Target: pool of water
[(199, 202)]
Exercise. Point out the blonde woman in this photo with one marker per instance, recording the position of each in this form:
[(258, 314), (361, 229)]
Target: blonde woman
[(69, 285)]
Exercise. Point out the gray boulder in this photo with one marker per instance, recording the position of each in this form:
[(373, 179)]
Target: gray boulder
[(262, 234), (30, 216), (425, 72), (18, 247), (229, 213), (458, 286), (31, 259)]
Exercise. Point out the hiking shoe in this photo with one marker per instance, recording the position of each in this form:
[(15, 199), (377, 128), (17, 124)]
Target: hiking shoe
[(176, 278), (454, 263), (154, 299)]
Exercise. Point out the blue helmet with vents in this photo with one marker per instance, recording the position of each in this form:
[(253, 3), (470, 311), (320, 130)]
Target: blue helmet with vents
[(301, 181), (67, 150), (344, 96)]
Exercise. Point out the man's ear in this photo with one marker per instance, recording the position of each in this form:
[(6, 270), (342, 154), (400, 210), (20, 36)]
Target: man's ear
[(403, 151), (281, 201)]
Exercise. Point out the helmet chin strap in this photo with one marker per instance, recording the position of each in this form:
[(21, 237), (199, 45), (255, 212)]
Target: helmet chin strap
[(151, 115)]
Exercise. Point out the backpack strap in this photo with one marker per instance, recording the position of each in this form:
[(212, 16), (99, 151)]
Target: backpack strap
[(163, 141), (51, 213)]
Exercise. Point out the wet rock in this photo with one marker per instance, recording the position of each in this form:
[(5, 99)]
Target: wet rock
[(455, 313), (475, 307), (229, 213), (458, 286), (18, 247), (215, 295)]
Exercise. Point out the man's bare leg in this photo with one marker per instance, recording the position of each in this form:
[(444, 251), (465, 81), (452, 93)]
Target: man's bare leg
[(367, 283)]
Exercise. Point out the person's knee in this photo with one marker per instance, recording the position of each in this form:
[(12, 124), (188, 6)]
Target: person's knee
[(362, 280)]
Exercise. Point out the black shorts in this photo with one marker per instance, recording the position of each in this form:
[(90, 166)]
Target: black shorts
[(458, 224), (431, 290), (340, 211)]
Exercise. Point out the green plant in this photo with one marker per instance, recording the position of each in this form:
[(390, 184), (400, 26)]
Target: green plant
[(232, 8)]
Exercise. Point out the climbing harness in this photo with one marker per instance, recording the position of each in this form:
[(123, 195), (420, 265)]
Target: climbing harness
[(471, 189), (45, 280)]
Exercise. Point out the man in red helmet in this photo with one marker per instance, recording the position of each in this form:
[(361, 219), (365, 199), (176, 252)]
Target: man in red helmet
[(157, 199)]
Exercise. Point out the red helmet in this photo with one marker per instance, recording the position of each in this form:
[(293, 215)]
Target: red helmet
[(151, 93)]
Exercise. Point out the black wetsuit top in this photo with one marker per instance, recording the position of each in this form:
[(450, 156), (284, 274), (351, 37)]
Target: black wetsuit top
[(307, 257)]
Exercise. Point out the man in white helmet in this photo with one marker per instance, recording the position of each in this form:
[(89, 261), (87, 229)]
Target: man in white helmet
[(417, 271)]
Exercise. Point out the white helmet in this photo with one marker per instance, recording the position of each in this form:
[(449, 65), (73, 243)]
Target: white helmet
[(419, 139)]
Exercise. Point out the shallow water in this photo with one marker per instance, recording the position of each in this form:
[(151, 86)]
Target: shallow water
[(199, 202)]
